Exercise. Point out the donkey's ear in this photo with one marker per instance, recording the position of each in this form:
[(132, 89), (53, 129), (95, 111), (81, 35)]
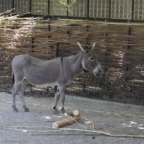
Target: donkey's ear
[(92, 46), (80, 46)]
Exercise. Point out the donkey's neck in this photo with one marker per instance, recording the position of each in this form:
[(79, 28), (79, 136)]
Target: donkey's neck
[(75, 63)]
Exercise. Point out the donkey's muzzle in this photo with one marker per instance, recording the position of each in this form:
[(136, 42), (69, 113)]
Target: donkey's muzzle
[(98, 71)]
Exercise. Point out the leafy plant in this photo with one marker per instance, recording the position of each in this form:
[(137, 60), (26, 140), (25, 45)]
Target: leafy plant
[(65, 2)]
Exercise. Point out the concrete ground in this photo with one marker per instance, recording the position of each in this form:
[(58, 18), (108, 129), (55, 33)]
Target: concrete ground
[(34, 127)]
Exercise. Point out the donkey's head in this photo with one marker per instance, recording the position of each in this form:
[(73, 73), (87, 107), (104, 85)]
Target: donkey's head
[(89, 60)]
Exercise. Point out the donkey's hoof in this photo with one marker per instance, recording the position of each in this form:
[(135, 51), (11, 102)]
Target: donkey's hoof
[(63, 110), (15, 110), (26, 110), (54, 109)]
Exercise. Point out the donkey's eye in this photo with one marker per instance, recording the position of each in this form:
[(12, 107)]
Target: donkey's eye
[(91, 58)]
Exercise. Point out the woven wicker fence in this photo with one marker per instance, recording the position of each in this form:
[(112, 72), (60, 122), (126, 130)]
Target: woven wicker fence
[(119, 49)]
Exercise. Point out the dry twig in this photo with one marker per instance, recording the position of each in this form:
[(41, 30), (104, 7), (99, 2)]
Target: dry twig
[(87, 132)]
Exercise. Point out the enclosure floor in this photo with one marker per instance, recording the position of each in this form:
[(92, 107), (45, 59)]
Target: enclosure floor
[(115, 118)]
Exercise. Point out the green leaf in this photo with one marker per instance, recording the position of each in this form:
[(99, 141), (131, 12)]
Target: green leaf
[(65, 3)]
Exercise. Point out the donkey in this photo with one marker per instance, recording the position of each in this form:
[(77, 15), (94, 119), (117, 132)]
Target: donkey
[(56, 72)]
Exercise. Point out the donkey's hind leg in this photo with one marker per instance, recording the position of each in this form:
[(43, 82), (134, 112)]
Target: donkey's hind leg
[(15, 89), (21, 93)]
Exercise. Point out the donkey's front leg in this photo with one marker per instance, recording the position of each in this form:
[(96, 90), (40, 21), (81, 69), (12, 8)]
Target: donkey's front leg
[(62, 97), (57, 96)]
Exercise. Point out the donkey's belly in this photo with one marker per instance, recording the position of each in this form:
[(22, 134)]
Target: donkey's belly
[(46, 85), (42, 78), (41, 82)]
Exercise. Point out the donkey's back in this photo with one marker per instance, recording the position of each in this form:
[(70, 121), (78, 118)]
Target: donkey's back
[(26, 60)]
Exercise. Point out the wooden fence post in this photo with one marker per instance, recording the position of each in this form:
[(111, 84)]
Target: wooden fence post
[(48, 29), (31, 51), (106, 86), (86, 42), (57, 50), (56, 54), (128, 47), (32, 46)]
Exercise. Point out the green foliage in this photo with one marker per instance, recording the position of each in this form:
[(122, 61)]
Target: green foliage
[(65, 2)]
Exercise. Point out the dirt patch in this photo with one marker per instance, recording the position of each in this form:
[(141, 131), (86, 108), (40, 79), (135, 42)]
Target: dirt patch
[(35, 127)]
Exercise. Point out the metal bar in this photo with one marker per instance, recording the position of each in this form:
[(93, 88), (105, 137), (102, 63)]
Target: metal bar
[(49, 27), (87, 9), (57, 49), (68, 8), (56, 54), (87, 29), (128, 47), (132, 14), (84, 88), (105, 53), (32, 47), (30, 7), (128, 33), (109, 9), (13, 5), (3, 6), (48, 7)]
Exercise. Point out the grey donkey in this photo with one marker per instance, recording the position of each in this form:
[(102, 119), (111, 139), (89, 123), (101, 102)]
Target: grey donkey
[(56, 72)]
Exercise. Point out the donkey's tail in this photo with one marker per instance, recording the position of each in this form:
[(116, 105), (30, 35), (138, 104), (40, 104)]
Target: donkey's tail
[(13, 80)]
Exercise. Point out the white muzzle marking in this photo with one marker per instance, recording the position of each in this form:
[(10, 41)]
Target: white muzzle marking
[(84, 65), (97, 70)]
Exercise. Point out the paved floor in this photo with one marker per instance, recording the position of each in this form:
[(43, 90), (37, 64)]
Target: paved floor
[(35, 127)]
